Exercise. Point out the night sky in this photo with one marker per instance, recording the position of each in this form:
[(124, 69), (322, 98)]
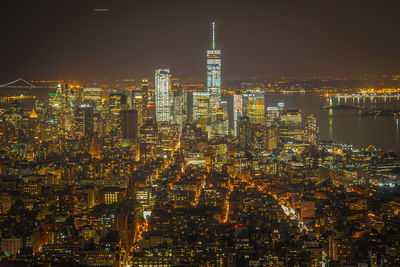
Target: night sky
[(59, 39)]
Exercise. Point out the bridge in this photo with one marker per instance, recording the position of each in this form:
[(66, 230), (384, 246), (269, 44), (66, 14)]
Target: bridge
[(16, 84)]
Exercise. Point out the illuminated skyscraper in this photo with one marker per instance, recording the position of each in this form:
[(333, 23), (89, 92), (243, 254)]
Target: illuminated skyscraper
[(200, 109), (290, 127), (272, 137), (214, 77), (148, 140), (117, 103), (247, 100), (237, 111), (179, 110), (244, 132), (272, 114), (84, 120), (145, 92), (93, 95), (311, 130), (137, 104), (33, 125), (68, 100), (222, 127), (256, 109), (163, 96)]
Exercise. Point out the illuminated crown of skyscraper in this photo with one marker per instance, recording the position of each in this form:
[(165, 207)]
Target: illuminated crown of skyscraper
[(213, 46)]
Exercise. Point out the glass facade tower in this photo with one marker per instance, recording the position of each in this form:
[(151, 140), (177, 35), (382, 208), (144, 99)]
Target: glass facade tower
[(163, 95), (214, 77)]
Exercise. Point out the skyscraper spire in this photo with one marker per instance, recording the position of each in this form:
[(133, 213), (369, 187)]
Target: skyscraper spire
[(213, 35)]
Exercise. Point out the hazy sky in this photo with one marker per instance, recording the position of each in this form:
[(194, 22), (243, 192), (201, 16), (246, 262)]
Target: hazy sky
[(46, 39)]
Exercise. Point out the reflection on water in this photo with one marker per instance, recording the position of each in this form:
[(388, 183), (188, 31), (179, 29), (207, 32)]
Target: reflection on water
[(347, 126), (397, 130), (331, 124)]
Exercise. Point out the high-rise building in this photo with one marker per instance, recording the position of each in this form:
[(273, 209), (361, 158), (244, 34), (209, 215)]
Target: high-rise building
[(163, 96), (167, 138), (180, 105), (130, 124), (311, 130), (259, 134), (281, 107), (148, 140), (247, 99), (272, 114), (68, 100), (256, 108), (214, 77), (272, 137), (145, 92), (200, 109), (150, 112), (222, 119), (54, 105), (84, 120), (117, 103), (178, 110), (290, 127), (237, 111), (137, 104), (244, 132), (33, 125), (93, 95)]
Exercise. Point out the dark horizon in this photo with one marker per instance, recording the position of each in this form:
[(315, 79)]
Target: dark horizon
[(70, 40)]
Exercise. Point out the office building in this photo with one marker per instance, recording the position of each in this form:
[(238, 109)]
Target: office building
[(163, 97), (214, 76), (311, 130), (148, 140), (145, 92), (200, 109), (290, 128), (93, 96), (84, 120), (256, 108), (237, 111), (130, 124)]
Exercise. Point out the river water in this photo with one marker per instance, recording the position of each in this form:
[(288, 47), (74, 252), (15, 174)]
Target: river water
[(347, 126)]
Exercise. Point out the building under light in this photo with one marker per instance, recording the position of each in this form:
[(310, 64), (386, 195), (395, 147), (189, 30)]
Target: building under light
[(163, 96), (93, 95), (256, 108), (214, 77), (290, 127), (200, 109), (311, 130), (68, 101), (145, 92), (84, 120), (237, 111)]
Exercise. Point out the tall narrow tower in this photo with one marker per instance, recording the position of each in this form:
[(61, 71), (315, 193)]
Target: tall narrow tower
[(213, 77), (163, 96)]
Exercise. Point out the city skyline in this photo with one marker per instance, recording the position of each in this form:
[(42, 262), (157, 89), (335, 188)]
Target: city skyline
[(161, 169)]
